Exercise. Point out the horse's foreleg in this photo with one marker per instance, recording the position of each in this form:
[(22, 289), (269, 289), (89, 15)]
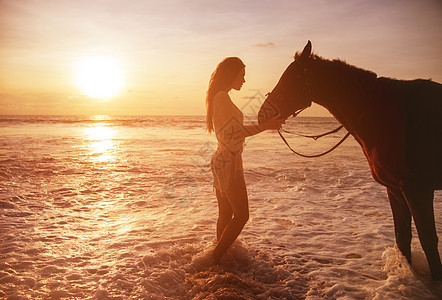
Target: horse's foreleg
[(402, 221), (420, 201)]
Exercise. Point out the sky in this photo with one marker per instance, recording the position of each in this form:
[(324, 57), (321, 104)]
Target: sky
[(166, 50)]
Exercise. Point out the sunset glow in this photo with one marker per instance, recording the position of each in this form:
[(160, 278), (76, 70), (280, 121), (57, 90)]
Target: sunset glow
[(99, 77), (316, 181), (150, 58)]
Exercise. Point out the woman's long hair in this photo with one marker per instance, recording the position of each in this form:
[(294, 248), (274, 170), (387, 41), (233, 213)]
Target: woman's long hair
[(221, 80)]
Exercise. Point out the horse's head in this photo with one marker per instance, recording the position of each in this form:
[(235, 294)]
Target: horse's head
[(291, 94)]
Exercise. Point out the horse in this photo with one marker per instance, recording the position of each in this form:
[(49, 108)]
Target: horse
[(397, 123)]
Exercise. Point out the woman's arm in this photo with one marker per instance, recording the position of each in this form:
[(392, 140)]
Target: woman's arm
[(274, 123), (224, 109)]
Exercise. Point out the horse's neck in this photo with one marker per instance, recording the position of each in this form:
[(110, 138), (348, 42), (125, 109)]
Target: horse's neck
[(341, 93)]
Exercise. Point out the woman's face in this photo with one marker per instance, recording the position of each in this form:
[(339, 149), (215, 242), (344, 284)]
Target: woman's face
[(239, 80)]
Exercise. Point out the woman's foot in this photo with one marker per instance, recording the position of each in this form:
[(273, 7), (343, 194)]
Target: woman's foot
[(203, 260)]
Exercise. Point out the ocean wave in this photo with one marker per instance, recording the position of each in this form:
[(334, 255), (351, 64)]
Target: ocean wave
[(80, 211), (400, 274), (243, 273), (188, 122)]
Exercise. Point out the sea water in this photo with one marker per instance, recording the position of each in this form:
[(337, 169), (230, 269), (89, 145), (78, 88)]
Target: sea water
[(123, 208)]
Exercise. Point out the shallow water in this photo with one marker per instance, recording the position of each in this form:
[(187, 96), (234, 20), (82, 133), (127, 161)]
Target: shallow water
[(123, 207)]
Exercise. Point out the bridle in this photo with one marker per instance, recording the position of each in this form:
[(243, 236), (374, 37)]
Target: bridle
[(306, 91)]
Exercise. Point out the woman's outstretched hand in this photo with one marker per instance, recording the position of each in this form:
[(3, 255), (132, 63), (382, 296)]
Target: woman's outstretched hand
[(274, 123)]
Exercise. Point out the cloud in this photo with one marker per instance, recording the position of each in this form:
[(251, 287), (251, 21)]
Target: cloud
[(265, 45)]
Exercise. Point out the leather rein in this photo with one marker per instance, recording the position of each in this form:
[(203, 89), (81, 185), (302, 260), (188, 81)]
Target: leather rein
[(315, 138)]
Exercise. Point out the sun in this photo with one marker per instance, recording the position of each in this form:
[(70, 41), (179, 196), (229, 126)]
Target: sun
[(99, 77)]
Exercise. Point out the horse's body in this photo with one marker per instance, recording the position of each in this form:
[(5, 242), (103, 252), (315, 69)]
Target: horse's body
[(398, 125)]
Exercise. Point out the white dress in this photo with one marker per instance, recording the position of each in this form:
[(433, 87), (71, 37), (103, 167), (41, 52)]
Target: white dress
[(226, 163)]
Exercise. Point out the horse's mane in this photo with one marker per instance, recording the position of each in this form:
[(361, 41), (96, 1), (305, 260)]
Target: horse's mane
[(340, 67)]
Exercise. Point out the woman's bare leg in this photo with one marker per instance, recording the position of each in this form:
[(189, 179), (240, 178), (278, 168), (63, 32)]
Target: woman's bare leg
[(237, 197), (225, 213)]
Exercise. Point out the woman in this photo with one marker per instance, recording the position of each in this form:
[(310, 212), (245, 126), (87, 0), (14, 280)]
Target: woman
[(226, 120)]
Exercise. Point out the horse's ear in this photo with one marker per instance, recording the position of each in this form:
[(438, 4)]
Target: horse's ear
[(307, 51)]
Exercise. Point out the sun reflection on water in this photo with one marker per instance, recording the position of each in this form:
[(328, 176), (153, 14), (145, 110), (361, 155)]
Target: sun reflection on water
[(101, 143)]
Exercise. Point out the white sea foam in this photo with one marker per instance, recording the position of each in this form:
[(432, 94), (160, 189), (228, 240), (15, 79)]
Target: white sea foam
[(124, 208)]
